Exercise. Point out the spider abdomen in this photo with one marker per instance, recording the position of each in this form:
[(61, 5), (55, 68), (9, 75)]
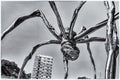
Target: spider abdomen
[(70, 51)]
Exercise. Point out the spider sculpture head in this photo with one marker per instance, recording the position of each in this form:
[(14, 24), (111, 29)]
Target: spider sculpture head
[(68, 47)]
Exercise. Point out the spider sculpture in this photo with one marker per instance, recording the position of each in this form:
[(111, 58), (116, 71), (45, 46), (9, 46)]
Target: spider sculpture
[(68, 39)]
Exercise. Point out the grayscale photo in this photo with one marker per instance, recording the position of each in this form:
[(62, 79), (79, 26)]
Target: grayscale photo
[(60, 39)]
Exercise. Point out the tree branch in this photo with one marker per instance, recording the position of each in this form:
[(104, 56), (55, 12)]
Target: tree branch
[(33, 51), (74, 17)]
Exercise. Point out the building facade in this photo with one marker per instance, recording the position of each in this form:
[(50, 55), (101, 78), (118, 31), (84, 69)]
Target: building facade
[(42, 68)]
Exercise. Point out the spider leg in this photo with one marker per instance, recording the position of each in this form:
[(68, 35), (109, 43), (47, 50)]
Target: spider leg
[(65, 61), (96, 27), (92, 59), (112, 41), (33, 51), (89, 51), (83, 28), (74, 17), (37, 13), (91, 39), (49, 26), (59, 20), (86, 39), (19, 21)]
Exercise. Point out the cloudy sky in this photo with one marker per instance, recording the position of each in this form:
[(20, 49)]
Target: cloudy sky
[(17, 45)]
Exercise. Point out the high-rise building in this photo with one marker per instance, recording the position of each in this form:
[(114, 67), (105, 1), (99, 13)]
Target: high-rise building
[(42, 68)]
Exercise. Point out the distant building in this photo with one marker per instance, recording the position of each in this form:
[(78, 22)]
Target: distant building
[(42, 68)]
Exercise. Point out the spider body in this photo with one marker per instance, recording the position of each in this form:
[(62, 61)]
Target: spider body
[(70, 50), (68, 46)]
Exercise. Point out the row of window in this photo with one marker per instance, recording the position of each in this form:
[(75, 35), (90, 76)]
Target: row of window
[(47, 58)]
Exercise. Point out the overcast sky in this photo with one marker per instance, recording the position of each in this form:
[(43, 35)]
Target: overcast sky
[(17, 45)]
